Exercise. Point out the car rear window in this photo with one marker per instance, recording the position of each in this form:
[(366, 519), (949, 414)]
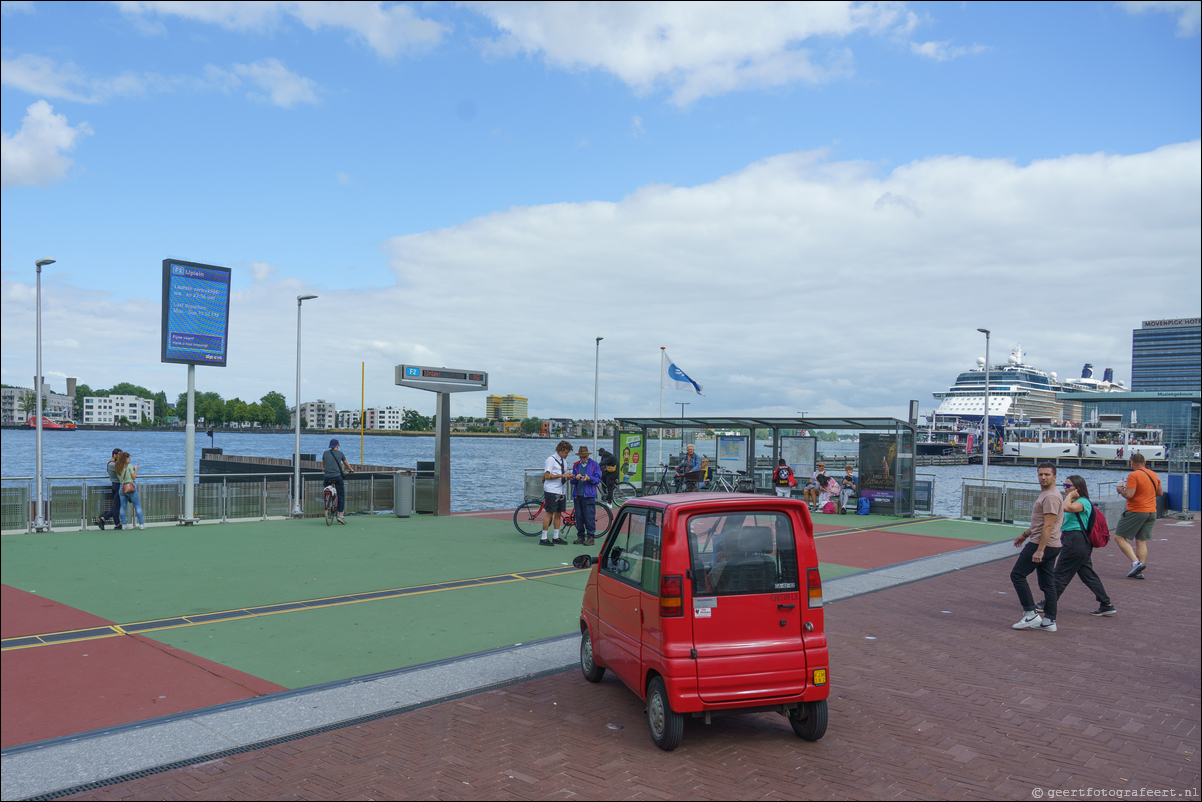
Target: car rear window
[(742, 553)]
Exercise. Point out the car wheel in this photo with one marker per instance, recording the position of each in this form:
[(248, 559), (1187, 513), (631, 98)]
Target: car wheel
[(666, 725), (588, 665), (809, 720)]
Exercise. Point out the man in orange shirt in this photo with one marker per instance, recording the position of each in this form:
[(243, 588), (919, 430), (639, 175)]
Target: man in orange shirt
[(1141, 489)]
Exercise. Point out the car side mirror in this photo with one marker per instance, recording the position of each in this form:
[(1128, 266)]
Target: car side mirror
[(583, 561)]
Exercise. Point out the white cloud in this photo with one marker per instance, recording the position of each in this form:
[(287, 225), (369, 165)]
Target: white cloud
[(34, 155), (39, 75), (16, 7), (695, 49), (1187, 12), (793, 284), (343, 178), (261, 271), (636, 126), (943, 51), (388, 29), (283, 87)]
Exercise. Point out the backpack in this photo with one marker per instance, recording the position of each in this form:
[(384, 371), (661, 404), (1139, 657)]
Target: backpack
[(1097, 531), (828, 508), (862, 507)]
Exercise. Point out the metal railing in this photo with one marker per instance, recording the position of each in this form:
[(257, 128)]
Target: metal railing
[(74, 502), (1013, 501)]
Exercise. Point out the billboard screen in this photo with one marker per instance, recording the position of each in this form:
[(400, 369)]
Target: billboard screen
[(196, 313)]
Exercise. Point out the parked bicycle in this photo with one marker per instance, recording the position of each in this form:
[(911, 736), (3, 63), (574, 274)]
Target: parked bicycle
[(528, 518), (725, 481), (665, 486)]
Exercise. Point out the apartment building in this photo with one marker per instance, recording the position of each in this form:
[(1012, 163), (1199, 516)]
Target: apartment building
[(111, 409)]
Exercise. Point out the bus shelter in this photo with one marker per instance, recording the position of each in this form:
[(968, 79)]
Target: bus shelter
[(885, 461)]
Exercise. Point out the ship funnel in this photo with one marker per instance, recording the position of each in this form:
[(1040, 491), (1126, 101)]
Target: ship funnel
[(1108, 375), (1087, 371)]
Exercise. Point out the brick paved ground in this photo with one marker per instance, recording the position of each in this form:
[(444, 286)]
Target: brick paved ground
[(946, 705)]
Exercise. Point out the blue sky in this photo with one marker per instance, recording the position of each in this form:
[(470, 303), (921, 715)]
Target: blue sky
[(811, 207)]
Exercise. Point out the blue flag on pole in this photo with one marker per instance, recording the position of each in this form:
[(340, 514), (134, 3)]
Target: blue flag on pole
[(678, 378)]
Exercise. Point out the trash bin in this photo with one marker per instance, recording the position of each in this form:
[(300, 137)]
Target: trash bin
[(425, 488), (402, 494)]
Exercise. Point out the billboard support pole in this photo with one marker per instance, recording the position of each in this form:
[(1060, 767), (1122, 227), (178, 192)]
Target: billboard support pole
[(190, 452), (442, 452)]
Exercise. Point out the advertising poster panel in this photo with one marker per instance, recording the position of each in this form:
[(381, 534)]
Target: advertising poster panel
[(732, 452), (800, 454), (878, 460), (196, 313), (630, 457)]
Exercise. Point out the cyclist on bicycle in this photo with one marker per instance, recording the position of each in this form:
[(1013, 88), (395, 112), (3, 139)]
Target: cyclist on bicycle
[(609, 474), (333, 461), (688, 468)]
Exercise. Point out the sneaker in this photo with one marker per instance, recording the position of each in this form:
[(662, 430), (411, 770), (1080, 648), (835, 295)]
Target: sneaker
[(1030, 620), (1106, 610), (1137, 570), (559, 541), (100, 523), (141, 526), (341, 520), (1039, 607), (1047, 625), (545, 542)]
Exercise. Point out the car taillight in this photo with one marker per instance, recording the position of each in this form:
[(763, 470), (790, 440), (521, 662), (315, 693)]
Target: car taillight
[(814, 585), (671, 596)]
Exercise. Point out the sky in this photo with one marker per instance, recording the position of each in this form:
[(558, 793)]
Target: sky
[(812, 207)]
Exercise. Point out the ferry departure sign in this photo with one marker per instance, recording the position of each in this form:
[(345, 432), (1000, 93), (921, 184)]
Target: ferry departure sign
[(196, 313), (441, 380)]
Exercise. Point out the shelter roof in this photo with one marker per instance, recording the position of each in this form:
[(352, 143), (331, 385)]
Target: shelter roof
[(741, 422)]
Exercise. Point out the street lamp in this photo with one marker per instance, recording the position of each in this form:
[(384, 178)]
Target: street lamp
[(985, 449), (39, 521), (296, 485), (596, 381)]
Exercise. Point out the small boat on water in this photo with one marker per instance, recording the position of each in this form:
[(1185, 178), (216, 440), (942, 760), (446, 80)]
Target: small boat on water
[(51, 424)]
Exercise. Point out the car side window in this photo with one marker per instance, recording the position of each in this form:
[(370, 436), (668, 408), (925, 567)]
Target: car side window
[(652, 542), (623, 557)]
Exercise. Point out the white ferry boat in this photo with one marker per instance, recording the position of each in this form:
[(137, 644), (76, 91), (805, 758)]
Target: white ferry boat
[(1107, 438), (1042, 438), (1018, 391)]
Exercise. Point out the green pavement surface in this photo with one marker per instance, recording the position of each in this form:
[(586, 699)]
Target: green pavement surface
[(134, 575), (332, 643), (161, 572)]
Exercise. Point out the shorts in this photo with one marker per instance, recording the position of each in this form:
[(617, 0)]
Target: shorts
[(784, 492), (1137, 525), (812, 486), (554, 502)]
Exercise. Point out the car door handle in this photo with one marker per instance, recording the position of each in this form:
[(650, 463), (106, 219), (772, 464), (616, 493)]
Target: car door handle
[(785, 606)]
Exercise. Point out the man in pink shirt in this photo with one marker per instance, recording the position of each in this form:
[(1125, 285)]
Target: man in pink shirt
[(1039, 555)]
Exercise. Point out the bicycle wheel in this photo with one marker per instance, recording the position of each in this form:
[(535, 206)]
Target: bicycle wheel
[(528, 518), (604, 519), (625, 491)]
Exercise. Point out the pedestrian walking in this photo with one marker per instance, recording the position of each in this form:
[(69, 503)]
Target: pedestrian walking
[(128, 474), (1141, 489), (1039, 555), (555, 493), (609, 474), (333, 465), (783, 480), (1076, 553), (586, 477), (114, 511)]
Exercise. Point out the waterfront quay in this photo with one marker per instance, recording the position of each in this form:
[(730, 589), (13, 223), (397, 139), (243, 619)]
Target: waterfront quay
[(434, 657)]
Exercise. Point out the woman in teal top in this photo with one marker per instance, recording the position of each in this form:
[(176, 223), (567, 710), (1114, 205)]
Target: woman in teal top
[(128, 473), (1075, 555)]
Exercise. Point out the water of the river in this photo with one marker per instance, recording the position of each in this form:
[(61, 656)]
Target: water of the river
[(486, 472)]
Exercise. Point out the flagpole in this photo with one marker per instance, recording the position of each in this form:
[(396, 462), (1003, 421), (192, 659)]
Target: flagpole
[(662, 357)]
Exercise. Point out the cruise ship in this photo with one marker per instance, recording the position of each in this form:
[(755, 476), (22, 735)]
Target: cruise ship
[(1018, 391)]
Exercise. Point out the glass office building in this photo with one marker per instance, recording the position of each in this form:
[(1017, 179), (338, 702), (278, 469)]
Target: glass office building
[(1167, 355)]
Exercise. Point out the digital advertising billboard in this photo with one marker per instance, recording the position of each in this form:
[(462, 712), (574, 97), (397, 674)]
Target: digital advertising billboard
[(196, 313)]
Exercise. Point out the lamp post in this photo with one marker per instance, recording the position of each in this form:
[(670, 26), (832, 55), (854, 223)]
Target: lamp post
[(596, 385), (985, 447), (296, 485), (39, 521)]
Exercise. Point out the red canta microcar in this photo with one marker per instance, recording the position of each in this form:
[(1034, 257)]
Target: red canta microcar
[(708, 602)]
